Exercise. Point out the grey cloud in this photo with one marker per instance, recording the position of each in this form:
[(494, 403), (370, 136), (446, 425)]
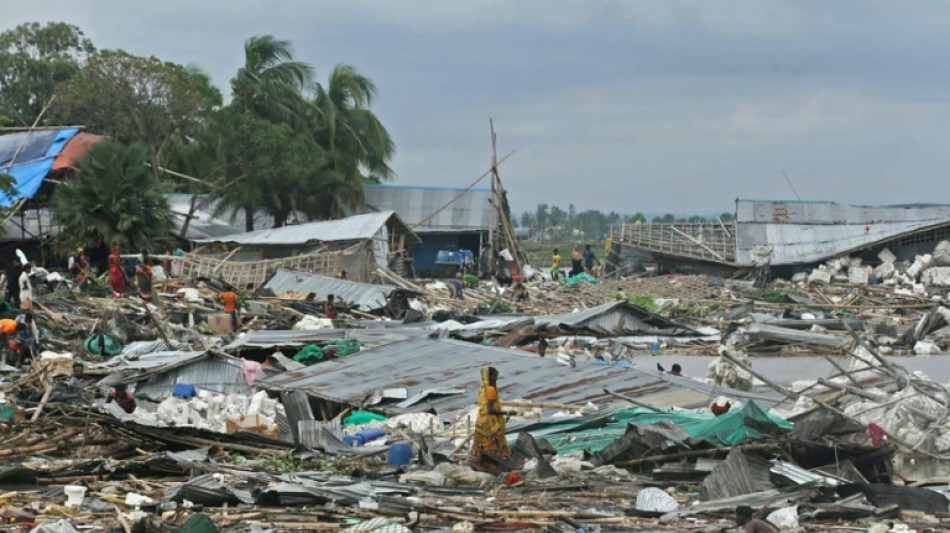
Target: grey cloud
[(631, 106)]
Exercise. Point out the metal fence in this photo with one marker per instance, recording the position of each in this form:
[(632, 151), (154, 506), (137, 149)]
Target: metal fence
[(710, 241)]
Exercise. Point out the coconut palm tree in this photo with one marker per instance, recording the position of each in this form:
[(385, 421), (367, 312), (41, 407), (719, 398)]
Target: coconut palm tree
[(271, 82), (352, 137), (113, 199)]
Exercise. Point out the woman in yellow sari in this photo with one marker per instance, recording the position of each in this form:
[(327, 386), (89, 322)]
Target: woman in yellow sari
[(489, 426)]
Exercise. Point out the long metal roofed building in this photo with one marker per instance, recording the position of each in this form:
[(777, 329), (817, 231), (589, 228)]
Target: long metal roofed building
[(786, 233), (445, 218)]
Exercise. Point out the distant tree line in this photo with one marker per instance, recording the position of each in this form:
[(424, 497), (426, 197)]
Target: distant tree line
[(286, 144), (555, 222)]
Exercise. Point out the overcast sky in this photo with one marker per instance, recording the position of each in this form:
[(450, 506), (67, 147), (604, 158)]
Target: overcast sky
[(654, 106)]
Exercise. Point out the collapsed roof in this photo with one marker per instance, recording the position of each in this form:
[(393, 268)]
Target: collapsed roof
[(444, 375)]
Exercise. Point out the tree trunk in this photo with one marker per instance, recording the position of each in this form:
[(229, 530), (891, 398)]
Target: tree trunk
[(248, 219), (191, 213)]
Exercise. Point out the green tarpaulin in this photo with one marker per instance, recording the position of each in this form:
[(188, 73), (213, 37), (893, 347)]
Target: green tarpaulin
[(738, 426), (358, 418), (583, 276), (102, 344)]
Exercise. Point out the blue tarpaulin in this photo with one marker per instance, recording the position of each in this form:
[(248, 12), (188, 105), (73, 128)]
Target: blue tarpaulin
[(34, 161)]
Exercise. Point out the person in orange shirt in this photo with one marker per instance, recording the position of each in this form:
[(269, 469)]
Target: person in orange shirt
[(8, 328), (230, 300)]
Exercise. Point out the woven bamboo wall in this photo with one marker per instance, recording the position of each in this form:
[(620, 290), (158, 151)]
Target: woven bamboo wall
[(357, 260)]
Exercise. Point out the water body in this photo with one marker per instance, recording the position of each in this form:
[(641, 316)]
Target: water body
[(796, 368)]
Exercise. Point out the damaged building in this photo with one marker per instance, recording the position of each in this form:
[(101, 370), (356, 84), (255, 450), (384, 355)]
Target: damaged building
[(360, 245)]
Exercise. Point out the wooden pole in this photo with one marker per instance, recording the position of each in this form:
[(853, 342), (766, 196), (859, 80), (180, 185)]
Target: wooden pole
[(459, 195)]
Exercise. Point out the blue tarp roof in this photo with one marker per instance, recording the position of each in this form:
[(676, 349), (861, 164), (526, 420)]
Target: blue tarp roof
[(34, 161)]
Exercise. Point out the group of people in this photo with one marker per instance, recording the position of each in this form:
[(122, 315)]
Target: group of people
[(581, 262), (119, 281), (78, 266)]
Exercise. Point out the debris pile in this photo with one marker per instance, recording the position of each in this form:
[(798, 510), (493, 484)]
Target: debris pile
[(360, 413)]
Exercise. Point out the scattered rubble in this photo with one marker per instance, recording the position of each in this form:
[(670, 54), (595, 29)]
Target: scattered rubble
[(362, 422)]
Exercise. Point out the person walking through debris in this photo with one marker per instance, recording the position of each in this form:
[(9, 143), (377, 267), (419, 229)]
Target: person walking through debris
[(752, 525), (556, 265), (589, 260), (520, 292), (576, 259), (489, 441), (143, 276), (123, 397), (26, 287), (78, 265), (74, 385), (230, 299), (329, 307), (28, 338), (13, 281), (455, 286), (116, 275)]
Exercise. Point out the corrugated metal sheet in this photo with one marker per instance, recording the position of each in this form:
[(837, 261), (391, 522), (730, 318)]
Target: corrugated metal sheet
[(615, 318), (355, 228), (472, 211), (421, 363), (741, 473), (806, 232), (366, 296), (220, 375), (203, 225), (156, 374)]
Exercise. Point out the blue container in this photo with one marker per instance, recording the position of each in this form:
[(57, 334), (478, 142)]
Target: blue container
[(353, 440), (400, 454), (370, 434), (444, 256), (184, 390)]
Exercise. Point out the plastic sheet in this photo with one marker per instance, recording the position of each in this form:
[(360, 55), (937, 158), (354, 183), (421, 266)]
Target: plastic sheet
[(656, 500)]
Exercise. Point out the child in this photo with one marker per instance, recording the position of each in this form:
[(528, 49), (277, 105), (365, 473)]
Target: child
[(556, 265)]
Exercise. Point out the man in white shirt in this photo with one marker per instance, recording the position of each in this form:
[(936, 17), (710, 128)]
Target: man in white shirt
[(26, 288)]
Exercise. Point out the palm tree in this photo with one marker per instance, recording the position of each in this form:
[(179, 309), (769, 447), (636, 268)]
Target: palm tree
[(352, 136), (271, 83), (113, 199)]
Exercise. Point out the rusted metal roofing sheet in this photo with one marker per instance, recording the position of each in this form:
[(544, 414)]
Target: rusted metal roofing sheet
[(75, 148), (418, 364)]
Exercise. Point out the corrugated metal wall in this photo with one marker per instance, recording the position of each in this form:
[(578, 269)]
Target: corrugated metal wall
[(806, 232)]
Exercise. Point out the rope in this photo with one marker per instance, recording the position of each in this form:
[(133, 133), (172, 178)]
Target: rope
[(460, 194)]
